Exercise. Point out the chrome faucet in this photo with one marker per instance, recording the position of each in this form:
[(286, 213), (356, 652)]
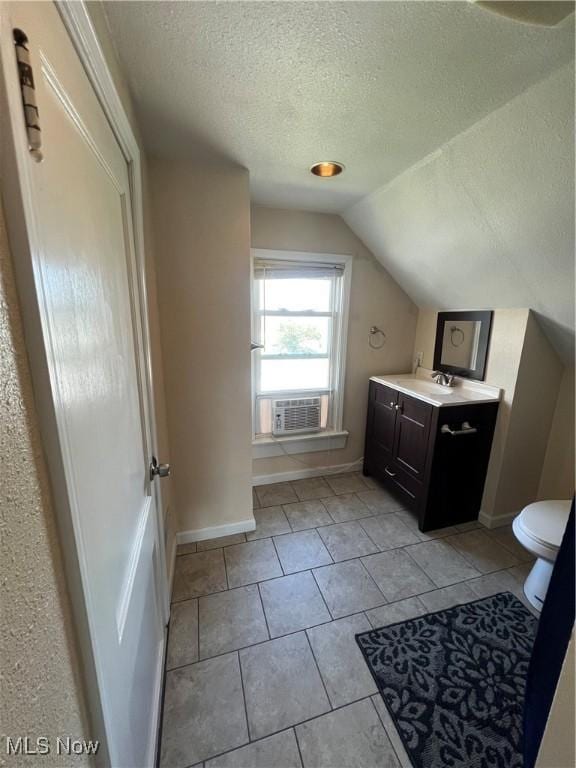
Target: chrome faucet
[(444, 379)]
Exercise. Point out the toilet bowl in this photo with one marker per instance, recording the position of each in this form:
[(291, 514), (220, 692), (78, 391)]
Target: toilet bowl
[(539, 528)]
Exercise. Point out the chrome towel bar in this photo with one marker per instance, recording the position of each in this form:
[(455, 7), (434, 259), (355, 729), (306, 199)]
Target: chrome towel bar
[(466, 430)]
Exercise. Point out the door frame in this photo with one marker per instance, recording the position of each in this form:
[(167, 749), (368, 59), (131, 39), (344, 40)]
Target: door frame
[(17, 188)]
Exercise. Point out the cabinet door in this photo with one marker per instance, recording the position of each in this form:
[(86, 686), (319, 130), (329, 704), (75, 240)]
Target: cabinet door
[(411, 436), (383, 417)]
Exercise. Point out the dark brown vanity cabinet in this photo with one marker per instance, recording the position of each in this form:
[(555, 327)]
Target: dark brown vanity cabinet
[(433, 459)]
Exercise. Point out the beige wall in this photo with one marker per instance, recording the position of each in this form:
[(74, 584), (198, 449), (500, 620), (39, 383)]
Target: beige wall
[(202, 233), (522, 362), (42, 690), (375, 300), (557, 749), (557, 480), (535, 395)]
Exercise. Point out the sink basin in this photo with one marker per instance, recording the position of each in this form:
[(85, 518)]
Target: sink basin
[(425, 387)]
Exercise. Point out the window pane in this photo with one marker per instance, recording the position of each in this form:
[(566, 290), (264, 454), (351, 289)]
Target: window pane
[(289, 375), (295, 335), (296, 294)]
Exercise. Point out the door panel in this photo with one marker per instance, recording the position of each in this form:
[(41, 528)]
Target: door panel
[(81, 244), (383, 416), (411, 438)]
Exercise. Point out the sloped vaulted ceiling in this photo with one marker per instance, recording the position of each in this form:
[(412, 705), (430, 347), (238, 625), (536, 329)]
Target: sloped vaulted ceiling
[(488, 220)]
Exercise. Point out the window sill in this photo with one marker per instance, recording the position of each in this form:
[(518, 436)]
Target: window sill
[(265, 447)]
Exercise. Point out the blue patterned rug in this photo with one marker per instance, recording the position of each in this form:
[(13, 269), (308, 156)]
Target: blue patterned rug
[(453, 682)]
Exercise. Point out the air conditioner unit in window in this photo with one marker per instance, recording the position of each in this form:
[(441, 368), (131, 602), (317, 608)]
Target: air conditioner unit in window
[(301, 415)]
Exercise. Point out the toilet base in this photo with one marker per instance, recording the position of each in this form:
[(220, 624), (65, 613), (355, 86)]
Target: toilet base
[(536, 585)]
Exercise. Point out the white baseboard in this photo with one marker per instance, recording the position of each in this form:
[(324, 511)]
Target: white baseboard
[(305, 472), (498, 521), (216, 531)]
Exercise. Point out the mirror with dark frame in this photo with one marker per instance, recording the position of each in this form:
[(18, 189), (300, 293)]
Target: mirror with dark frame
[(461, 344)]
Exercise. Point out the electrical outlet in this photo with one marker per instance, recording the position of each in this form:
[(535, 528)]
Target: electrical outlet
[(419, 359)]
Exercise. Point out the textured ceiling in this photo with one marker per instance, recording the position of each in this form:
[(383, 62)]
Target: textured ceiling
[(276, 86), (488, 220)]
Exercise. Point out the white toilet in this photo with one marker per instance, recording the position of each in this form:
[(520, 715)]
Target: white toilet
[(539, 528)]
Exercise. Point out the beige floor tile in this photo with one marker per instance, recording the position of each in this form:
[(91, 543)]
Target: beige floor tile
[(270, 521), (203, 712), (223, 541), (183, 636), (448, 597), (199, 574), (388, 532), (409, 518), (278, 493), (342, 666), (301, 551), (350, 482), (278, 751), (346, 507), (505, 537), (282, 685), (231, 620), (307, 514), (311, 488), (251, 562), (293, 603), (380, 501), (351, 736), (483, 551), (391, 731), (397, 575), (348, 588), (186, 549), (393, 613), (443, 564), (346, 540)]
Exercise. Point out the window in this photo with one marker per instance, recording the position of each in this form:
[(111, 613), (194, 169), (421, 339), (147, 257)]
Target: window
[(299, 316)]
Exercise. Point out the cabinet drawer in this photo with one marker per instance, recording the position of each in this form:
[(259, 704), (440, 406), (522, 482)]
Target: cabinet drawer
[(401, 483)]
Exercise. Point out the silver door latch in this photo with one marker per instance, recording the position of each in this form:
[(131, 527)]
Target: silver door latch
[(160, 470)]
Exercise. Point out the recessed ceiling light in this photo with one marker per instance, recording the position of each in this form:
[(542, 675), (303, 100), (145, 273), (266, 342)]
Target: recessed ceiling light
[(327, 169)]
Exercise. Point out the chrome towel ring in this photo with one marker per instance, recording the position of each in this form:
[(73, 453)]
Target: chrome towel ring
[(376, 332)]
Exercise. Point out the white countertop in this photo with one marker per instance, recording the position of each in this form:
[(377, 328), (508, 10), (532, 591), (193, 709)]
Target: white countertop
[(421, 386)]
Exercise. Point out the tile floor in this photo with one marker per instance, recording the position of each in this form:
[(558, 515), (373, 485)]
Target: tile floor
[(262, 666)]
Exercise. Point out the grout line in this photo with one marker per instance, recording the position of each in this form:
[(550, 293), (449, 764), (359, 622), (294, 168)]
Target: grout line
[(225, 571), (278, 556), (268, 640), (478, 575), (264, 612), (299, 748), (244, 697), (321, 594), (368, 617), (319, 672), (248, 744)]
